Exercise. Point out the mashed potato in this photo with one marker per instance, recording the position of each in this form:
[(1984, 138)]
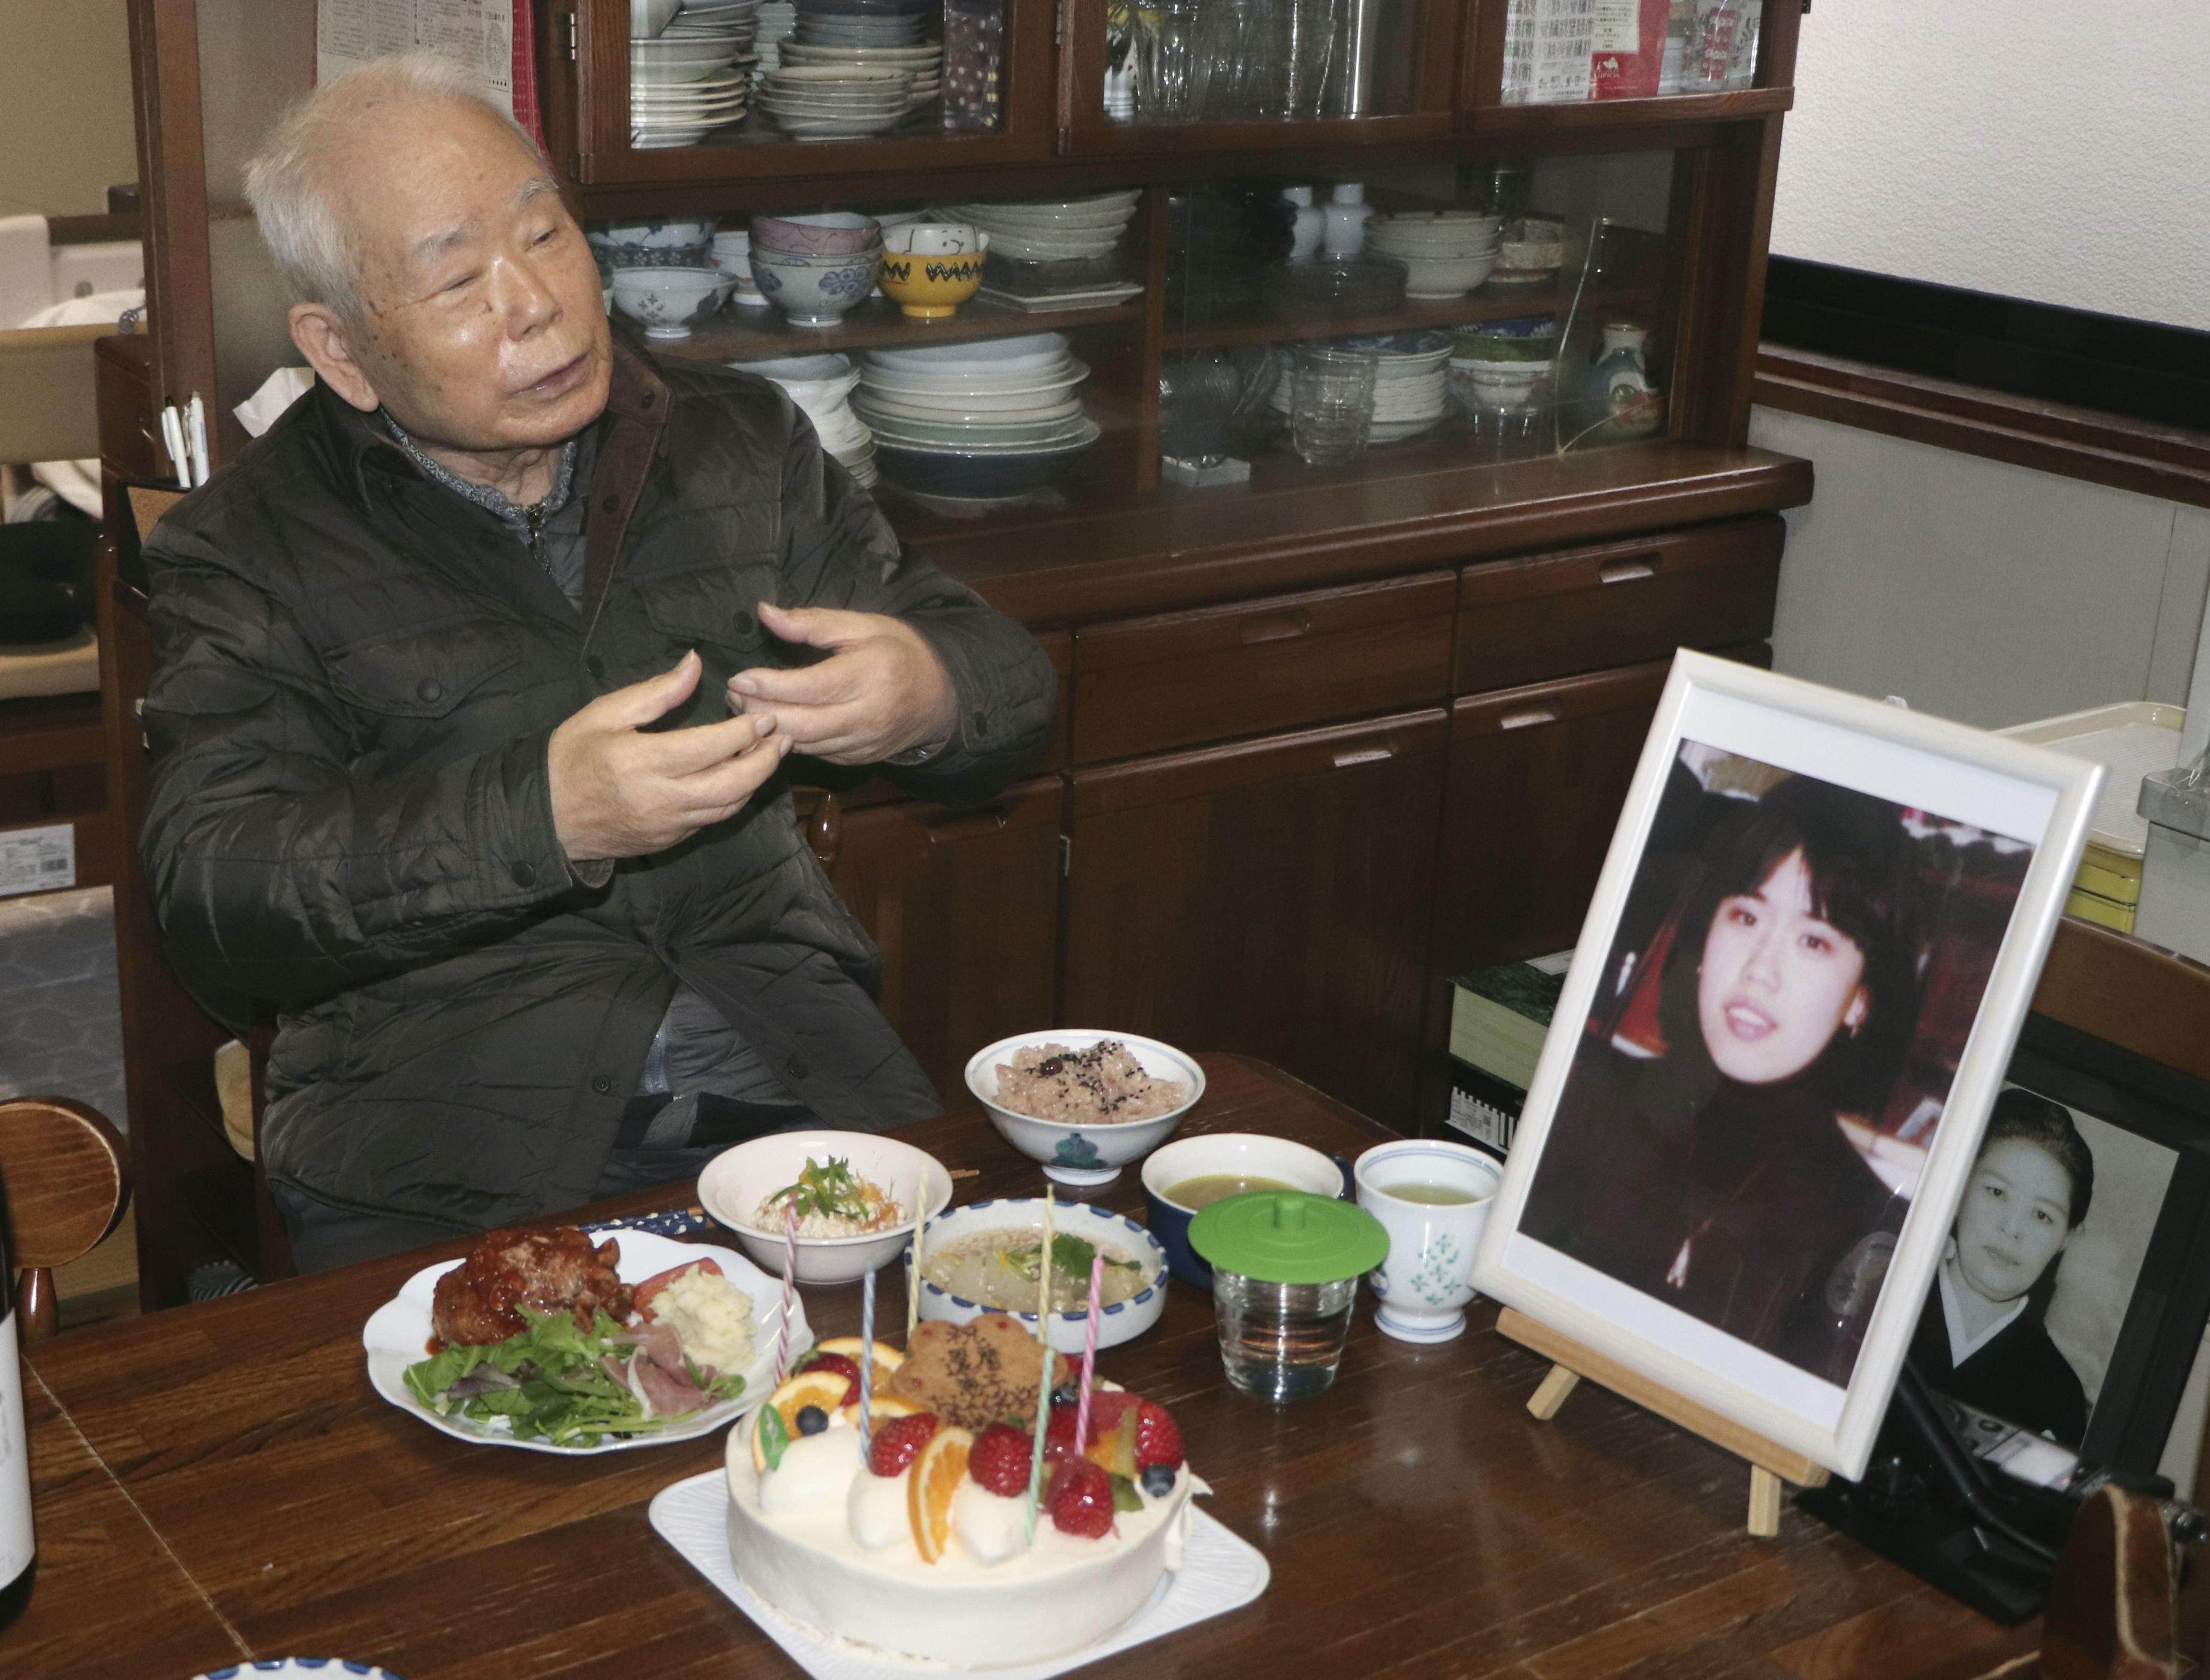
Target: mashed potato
[(711, 1317)]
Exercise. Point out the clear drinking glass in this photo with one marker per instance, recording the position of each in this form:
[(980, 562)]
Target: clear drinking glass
[(1330, 404), (1232, 48), (1281, 1342), (1306, 34), (1169, 76)]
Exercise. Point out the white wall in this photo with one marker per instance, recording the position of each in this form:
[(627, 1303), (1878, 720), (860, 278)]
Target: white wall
[(1978, 590), (2056, 150), (66, 127)]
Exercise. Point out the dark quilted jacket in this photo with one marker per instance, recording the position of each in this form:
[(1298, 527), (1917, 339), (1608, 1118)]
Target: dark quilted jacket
[(349, 821)]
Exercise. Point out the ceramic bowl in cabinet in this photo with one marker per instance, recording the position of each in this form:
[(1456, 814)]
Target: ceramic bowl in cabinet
[(664, 301), (831, 233), (817, 290)]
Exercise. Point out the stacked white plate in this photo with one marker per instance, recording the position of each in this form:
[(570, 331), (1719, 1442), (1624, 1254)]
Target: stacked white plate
[(834, 101), (778, 18), (982, 419), (1067, 230), (819, 385), (866, 22), (694, 76), (925, 62), (1411, 382), (1446, 253)]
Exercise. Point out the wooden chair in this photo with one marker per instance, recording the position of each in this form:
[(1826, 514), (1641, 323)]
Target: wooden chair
[(2112, 1611), (65, 1173)]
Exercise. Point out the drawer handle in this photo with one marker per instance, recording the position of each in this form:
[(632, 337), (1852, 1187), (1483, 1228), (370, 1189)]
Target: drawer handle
[(1364, 755), (990, 819), (1529, 719), (1284, 629), (1625, 571)]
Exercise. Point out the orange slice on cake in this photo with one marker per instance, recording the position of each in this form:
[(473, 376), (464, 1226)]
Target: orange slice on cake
[(887, 1359), (937, 1474), (823, 1388)]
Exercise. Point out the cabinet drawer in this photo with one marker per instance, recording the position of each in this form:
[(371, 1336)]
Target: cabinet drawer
[(1555, 615), (1145, 685)]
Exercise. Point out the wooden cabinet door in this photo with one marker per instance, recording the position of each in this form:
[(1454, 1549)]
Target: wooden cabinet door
[(1270, 897), (965, 907)]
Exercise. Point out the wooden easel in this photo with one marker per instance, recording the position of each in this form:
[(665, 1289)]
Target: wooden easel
[(1770, 1464)]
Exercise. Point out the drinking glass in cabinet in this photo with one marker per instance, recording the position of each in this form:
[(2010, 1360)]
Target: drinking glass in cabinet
[(1330, 404), (1243, 60)]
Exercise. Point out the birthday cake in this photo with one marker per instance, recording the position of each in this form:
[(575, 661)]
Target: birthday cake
[(921, 1543)]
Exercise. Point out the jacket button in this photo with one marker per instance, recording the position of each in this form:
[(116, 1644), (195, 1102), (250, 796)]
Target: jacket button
[(611, 504), (429, 689), (601, 1084), (798, 1068), (741, 622), (595, 666), (523, 873), (645, 401)]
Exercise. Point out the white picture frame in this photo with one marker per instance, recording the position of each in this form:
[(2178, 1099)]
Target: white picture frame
[(1964, 776)]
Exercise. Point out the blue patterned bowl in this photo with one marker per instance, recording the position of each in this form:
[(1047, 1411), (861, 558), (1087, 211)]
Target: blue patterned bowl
[(1083, 1153), (1113, 1231), (323, 1668)]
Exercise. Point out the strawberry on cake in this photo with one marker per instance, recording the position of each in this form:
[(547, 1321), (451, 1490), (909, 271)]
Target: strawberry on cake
[(921, 1546)]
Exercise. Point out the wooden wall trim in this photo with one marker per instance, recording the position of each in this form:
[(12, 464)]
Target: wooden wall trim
[(2138, 996), (2165, 461)]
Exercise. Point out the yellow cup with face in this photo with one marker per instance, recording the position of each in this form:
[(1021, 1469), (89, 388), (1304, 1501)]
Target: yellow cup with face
[(930, 268)]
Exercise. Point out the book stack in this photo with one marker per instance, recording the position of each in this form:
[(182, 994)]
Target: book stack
[(1500, 1017)]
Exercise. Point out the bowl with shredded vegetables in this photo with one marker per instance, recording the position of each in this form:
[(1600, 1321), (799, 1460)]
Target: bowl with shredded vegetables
[(849, 1199)]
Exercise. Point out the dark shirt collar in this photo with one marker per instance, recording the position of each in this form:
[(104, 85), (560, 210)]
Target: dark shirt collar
[(360, 445)]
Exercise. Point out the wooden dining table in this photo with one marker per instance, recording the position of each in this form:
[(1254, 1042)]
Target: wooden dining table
[(220, 1482)]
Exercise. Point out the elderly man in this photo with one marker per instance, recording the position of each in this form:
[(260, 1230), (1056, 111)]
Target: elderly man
[(475, 680)]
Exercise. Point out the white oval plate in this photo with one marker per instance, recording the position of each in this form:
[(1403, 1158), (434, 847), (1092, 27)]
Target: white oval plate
[(397, 1335)]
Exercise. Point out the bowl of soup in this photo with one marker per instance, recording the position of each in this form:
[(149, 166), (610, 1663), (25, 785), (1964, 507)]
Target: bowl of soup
[(988, 1257), (1191, 1174)]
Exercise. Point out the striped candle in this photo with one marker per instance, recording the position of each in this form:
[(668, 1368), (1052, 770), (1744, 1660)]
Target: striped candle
[(1043, 1392), (1089, 1355), (789, 1278), (913, 1279), (866, 1360)]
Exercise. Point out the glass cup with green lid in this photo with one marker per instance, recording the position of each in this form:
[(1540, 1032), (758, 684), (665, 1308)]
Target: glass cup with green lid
[(1285, 1272)]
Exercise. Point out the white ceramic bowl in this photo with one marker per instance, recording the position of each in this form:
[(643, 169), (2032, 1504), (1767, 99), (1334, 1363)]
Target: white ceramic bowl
[(1448, 277), (1108, 1229), (1078, 1152), (663, 300), (735, 1180)]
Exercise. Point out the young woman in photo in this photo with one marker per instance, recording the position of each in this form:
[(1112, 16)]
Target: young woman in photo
[(1983, 1338), (1715, 1175)]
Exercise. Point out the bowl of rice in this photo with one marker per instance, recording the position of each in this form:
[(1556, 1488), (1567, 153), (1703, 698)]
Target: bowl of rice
[(1083, 1102), (851, 1196)]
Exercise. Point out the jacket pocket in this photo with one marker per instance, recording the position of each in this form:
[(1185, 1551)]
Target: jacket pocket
[(717, 604), (425, 672)]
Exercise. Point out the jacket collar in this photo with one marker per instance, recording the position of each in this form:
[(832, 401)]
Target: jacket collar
[(358, 446)]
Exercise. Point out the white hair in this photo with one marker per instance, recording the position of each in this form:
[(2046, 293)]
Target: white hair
[(317, 253)]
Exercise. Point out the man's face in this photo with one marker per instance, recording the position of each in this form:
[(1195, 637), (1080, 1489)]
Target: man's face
[(482, 329)]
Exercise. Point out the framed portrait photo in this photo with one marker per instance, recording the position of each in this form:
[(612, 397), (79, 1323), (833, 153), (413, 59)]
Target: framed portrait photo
[(1807, 961)]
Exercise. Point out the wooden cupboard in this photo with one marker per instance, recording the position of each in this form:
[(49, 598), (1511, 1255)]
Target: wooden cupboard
[(1322, 733)]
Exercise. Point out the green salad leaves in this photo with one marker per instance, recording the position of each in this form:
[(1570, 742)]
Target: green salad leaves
[(547, 1382), (1070, 1258)]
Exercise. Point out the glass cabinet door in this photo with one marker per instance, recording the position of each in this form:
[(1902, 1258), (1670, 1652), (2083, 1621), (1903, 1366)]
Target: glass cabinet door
[(703, 89), (1426, 317), (1146, 75), (1590, 55)]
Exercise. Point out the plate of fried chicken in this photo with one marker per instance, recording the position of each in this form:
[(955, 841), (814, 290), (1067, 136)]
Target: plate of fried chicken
[(688, 1330)]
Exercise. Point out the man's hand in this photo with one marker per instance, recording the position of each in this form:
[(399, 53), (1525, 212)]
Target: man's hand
[(881, 690), (620, 793)]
